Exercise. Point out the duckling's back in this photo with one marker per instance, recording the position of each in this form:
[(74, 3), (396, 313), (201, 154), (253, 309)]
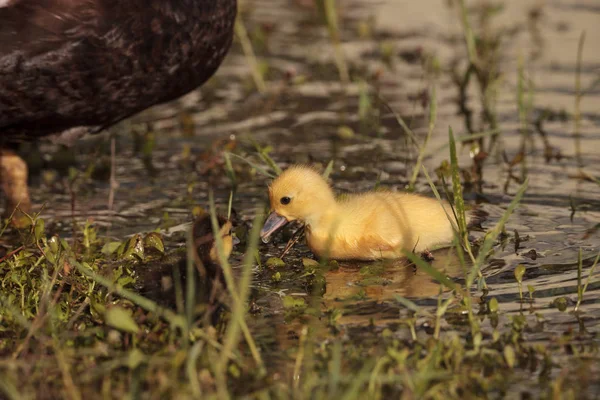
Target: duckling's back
[(382, 224), (411, 221)]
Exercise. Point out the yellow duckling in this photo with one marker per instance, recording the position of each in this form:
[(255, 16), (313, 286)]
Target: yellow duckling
[(213, 282), (365, 226), (156, 278), (206, 245)]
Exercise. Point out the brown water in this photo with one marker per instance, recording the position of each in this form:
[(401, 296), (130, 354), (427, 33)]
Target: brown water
[(300, 122)]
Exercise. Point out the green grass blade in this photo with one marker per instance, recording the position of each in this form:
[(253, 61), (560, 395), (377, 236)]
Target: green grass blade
[(400, 121), (466, 138), (422, 150), (468, 33), (587, 281), (190, 279), (335, 368), (411, 306), (334, 33), (459, 203), (265, 157), (452, 218), (361, 378), (257, 167), (242, 35), (490, 239), (431, 271), (230, 205), (229, 170), (328, 170)]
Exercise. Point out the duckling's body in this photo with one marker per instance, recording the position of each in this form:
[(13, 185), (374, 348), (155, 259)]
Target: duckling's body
[(206, 247), (365, 226), (379, 225)]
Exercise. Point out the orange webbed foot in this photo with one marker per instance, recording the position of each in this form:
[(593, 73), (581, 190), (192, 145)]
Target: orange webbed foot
[(13, 178)]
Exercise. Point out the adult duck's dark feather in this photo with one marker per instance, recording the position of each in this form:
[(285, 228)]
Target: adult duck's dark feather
[(91, 63)]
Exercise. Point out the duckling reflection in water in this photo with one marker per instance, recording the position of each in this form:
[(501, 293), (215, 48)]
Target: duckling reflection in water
[(366, 226), (156, 279)]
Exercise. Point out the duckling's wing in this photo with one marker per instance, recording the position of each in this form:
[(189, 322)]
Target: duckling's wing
[(372, 246)]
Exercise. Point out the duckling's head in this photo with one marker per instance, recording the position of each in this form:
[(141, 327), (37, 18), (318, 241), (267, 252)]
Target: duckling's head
[(204, 238), (299, 193)]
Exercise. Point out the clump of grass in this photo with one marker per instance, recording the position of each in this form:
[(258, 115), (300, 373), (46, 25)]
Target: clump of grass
[(483, 51), (459, 222), (263, 153), (270, 169), (260, 169), (47, 318), (175, 320)]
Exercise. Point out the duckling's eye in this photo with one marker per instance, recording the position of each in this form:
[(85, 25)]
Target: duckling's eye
[(285, 200)]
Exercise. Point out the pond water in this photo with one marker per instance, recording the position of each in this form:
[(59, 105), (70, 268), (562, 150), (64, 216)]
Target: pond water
[(391, 44)]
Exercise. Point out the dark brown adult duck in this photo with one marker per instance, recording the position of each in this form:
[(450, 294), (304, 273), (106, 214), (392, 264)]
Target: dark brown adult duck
[(70, 67)]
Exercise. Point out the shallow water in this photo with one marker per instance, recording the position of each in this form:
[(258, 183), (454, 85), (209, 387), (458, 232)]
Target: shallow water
[(300, 122)]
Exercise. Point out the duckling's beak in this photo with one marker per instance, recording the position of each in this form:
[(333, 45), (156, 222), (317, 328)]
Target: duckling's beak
[(273, 223), (235, 240)]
